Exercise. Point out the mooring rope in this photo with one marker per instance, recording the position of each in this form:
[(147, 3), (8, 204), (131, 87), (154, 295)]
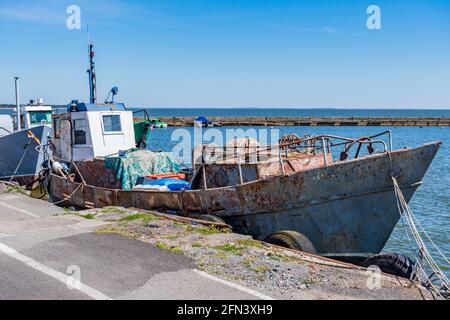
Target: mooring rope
[(21, 160), (406, 213), (69, 196), (52, 157), (81, 185)]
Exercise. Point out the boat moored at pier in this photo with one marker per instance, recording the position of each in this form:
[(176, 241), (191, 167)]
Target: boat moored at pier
[(335, 208), (323, 194)]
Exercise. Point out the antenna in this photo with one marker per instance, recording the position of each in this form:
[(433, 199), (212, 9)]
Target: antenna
[(91, 71)]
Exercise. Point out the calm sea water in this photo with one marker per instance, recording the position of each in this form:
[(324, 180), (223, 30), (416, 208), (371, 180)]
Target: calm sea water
[(431, 203)]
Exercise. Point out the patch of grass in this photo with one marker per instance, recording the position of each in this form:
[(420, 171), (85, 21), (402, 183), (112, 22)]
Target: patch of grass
[(88, 216), (171, 237), (163, 246), (282, 258), (230, 248), (70, 211), (308, 282), (108, 230), (177, 250), (196, 245), (250, 243), (10, 189), (178, 224), (107, 210), (247, 263), (204, 230), (260, 268), (221, 255), (139, 216)]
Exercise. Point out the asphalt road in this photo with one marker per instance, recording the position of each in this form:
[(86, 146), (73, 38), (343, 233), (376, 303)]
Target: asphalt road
[(48, 254)]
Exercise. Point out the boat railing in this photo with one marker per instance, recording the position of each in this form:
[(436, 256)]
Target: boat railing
[(144, 112), (323, 143), (309, 144)]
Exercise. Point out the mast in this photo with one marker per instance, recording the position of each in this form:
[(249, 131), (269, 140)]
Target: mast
[(19, 124), (91, 72)]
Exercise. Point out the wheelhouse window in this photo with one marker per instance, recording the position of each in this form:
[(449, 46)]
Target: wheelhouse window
[(41, 117), (111, 123), (79, 127), (57, 127)]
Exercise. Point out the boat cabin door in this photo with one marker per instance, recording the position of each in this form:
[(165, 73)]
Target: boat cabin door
[(66, 140)]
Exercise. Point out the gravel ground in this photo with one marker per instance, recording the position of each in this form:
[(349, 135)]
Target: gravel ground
[(277, 272)]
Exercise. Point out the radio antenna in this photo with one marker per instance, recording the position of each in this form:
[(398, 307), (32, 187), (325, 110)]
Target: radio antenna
[(91, 71)]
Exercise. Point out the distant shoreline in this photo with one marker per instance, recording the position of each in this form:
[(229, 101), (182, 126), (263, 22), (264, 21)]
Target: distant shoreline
[(60, 106), (292, 113)]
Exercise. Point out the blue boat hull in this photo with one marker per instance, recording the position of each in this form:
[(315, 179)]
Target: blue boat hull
[(17, 145)]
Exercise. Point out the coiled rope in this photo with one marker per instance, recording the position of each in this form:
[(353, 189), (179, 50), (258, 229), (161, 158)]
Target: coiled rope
[(424, 260)]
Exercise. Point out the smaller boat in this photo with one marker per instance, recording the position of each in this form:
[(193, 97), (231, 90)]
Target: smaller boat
[(18, 142), (36, 114), (143, 125), (203, 122), (158, 124), (147, 120)]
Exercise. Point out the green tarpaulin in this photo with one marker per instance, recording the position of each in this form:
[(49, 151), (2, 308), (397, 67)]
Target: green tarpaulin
[(139, 163)]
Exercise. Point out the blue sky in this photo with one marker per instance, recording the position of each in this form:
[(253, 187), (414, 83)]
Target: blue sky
[(247, 53)]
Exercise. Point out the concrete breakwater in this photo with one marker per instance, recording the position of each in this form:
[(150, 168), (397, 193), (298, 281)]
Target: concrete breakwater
[(313, 121)]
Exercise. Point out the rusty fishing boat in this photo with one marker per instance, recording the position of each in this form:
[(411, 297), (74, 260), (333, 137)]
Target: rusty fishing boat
[(322, 194), (293, 193)]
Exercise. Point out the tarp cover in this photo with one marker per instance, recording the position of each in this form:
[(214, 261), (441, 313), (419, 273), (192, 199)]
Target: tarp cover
[(138, 163), (203, 120), (172, 184)]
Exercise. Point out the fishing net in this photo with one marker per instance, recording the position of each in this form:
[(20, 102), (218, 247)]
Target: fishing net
[(138, 163)]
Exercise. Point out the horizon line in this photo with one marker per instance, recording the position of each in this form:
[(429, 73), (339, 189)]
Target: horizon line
[(11, 105)]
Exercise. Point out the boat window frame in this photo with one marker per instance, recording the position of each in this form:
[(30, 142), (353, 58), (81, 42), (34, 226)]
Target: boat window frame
[(35, 113), (57, 127), (74, 122), (106, 132), (23, 121)]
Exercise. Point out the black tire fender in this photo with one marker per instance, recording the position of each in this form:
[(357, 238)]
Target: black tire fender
[(391, 263), (292, 240), (213, 218)]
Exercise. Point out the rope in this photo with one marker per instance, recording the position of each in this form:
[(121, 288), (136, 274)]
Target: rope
[(38, 149), (44, 152), (69, 196), (21, 160), (424, 257)]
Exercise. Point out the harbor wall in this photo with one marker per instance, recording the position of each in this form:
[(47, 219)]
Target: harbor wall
[(313, 121)]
